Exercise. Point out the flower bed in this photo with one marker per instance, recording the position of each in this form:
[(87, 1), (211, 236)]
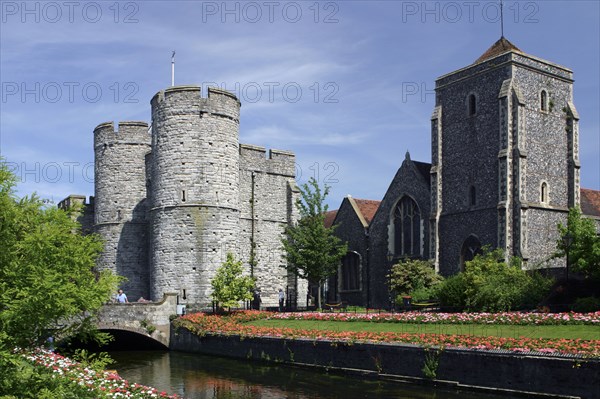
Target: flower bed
[(103, 384), (504, 318), (234, 324)]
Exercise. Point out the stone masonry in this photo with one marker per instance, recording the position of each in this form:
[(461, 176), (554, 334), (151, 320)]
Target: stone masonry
[(504, 171), (171, 200)]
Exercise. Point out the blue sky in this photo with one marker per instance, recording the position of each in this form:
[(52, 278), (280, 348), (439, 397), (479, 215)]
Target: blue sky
[(346, 85)]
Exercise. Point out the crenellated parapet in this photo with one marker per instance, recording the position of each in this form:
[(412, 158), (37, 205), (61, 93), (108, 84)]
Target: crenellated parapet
[(129, 132), (277, 162)]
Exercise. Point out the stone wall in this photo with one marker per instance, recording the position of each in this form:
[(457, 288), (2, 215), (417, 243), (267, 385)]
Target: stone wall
[(170, 205), (85, 215), (504, 151), (408, 181), (119, 205), (351, 231), (264, 212), (195, 190), (468, 157), (471, 369), (147, 318)]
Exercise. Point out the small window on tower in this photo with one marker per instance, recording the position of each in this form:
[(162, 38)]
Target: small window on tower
[(472, 105), (544, 100), (544, 193), (182, 195), (472, 196)]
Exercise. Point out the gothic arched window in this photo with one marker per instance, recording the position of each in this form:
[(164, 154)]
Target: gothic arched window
[(407, 228), (350, 272), (470, 248)]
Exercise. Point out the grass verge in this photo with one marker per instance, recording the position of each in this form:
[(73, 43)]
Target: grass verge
[(586, 332)]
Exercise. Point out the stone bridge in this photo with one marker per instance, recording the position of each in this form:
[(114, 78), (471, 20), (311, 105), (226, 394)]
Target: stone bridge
[(148, 319)]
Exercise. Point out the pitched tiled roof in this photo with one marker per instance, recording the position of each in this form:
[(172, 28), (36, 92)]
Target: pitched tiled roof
[(590, 202), (501, 46), (367, 208), (330, 217)]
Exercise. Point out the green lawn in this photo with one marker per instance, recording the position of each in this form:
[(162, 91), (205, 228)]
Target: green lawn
[(559, 331)]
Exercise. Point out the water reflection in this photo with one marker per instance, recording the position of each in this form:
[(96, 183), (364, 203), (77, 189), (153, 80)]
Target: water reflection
[(205, 377)]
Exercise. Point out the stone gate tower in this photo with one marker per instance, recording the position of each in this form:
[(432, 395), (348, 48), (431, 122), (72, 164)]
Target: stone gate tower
[(173, 200), (120, 206), (193, 189), (505, 164)]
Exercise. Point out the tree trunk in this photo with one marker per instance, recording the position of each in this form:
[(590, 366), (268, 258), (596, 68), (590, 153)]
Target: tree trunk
[(319, 295)]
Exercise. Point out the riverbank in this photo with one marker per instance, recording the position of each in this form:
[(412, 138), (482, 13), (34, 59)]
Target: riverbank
[(514, 373)]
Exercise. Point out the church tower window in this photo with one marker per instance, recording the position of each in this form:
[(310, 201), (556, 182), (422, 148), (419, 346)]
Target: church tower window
[(407, 228), (471, 105), (472, 196), (544, 100)]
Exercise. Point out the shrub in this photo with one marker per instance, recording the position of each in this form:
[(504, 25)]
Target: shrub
[(490, 284), (411, 275), (451, 293), (420, 295), (586, 305)]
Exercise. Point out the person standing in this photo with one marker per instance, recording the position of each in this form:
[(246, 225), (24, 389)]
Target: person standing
[(121, 297), (281, 300)]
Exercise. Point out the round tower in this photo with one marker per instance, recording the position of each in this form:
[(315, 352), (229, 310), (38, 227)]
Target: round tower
[(119, 207), (194, 206)]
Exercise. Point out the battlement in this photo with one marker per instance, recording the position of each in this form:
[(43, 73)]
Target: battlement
[(130, 132), (282, 155), (189, 100), (73, 199), (277, 162), (249, 151)]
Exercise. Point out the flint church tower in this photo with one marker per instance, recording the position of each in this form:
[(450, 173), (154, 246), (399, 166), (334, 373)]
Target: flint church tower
[(505, 165)]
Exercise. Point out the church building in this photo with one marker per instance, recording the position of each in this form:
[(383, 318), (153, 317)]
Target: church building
[(504, 172)]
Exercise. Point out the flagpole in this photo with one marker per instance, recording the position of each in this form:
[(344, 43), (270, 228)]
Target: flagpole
[(501, 18), (173, 68)]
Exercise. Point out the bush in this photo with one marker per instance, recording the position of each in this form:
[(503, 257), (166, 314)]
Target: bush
[(421, 295), (451, 292), (586, 305), (489, 284), (413, 276)]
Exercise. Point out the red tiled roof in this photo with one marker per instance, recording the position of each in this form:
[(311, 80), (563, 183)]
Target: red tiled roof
[(330, 217), (590, 202), (501, 46), (367, 208)]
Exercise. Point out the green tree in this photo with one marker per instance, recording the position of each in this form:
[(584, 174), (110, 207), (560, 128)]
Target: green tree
[(414, 277), (47, 277), (312, 251), (584, 246), (229, 286)]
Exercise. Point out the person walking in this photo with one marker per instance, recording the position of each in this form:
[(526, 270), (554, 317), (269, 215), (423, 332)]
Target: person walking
[(121, 297), (281, 300)]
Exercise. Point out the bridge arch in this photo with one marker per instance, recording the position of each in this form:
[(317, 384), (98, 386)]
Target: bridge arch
[(149, 321), (135, 337)]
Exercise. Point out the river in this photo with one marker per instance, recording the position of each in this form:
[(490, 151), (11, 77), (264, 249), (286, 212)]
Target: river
[(206, 377)]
